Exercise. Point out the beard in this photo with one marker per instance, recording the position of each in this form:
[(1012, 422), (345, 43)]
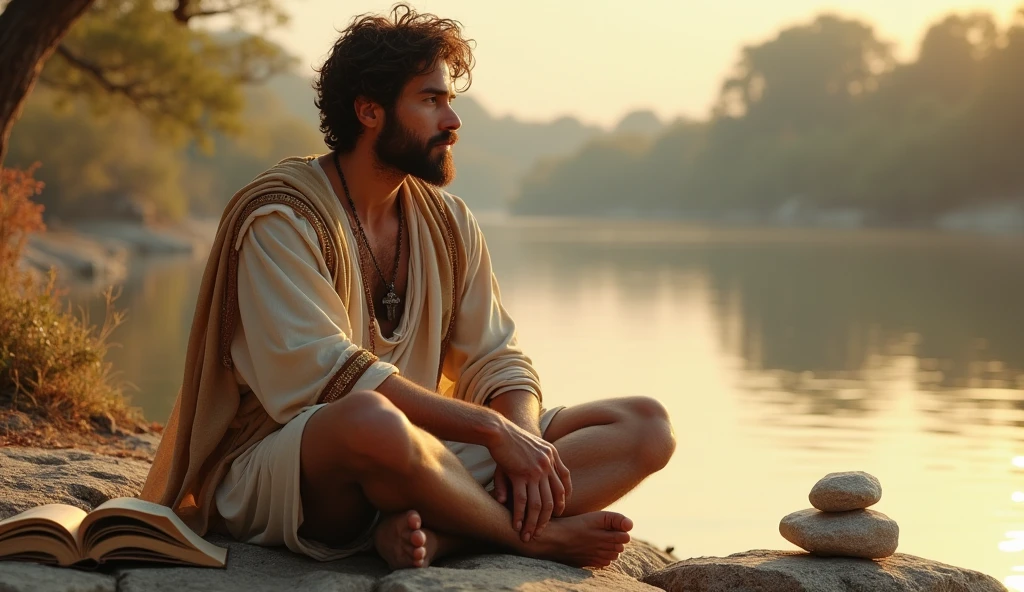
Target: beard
[(399, 148)]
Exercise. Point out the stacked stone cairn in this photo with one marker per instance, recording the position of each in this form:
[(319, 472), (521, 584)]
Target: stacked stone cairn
[(840, 525)]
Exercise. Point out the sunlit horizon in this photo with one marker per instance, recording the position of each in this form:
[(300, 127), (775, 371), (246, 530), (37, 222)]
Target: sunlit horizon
[(597, 62)]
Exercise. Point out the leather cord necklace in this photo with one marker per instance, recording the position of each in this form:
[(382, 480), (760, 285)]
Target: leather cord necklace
[(391, 300)]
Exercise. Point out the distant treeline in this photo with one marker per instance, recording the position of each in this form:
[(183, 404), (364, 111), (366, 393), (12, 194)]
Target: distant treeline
[(823, 118)]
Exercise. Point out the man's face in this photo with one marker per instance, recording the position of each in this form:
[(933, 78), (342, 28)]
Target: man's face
[(419, 130)]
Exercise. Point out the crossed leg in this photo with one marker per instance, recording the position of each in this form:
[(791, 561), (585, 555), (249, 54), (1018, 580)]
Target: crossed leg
[(361, 454), (610, 447)]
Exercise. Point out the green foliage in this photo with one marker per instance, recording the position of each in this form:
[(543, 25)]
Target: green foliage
[(270, 135), (822, 116), (185, 81), (101, 163), (97, 163)]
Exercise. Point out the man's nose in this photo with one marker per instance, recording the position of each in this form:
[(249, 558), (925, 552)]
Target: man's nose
[(451, 120)]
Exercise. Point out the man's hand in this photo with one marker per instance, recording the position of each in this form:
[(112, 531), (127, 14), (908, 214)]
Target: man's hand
[(540, 482)]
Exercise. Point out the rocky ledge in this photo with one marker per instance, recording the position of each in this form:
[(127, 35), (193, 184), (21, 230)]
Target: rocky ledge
[(796, 571), (32, 476)]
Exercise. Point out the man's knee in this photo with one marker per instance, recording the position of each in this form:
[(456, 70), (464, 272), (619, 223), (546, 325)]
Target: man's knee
[(649, 422), (367, 432)]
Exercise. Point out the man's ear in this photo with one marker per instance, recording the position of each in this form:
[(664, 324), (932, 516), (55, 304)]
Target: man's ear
[(369, 113)]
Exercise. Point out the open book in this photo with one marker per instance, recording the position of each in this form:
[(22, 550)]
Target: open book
[(121, 529)]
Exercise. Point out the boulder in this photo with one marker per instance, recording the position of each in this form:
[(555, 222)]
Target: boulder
[(857, 533), (640, 559), (841, 492), (794, 571)]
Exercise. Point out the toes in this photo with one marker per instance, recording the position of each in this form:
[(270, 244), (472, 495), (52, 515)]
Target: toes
[(413, 520), (616, 521), (418, 538), (419, 553)]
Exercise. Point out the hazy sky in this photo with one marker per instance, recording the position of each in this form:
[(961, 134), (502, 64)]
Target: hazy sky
[(598, 60)]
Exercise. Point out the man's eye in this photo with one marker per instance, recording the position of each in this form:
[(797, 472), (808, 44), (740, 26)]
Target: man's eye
[(431, 99)]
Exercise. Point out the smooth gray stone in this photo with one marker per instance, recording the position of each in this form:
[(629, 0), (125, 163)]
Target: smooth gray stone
[(857, 533), (842, 492)]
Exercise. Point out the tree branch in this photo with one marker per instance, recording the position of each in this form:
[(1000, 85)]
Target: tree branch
[(99, 75), (188, 9)]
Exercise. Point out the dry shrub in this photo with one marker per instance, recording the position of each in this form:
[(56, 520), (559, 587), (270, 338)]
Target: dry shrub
[(52, 365)]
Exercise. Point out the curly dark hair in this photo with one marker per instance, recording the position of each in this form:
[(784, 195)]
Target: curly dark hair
[(375, 57)]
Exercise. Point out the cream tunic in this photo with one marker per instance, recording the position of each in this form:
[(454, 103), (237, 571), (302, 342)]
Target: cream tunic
[(294, 334)]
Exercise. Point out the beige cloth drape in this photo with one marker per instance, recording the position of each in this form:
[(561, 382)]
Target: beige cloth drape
[(305, 326)]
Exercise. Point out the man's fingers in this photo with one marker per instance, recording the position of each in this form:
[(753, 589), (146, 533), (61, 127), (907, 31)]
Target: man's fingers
[(547, 504), (563, 474), (557, 495), (500, 491), (519, 510), (533, 507)]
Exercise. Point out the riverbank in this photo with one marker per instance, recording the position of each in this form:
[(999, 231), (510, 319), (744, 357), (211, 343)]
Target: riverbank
[(999, 218), (99, 251)]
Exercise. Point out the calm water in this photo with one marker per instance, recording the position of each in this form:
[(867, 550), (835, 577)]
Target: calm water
[(781, 355)]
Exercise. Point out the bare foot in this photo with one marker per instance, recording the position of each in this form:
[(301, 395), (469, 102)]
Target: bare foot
[(403, 542), (594, 539)]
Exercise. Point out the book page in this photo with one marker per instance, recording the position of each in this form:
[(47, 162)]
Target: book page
[(133, 547), (51, 529), (154, 515), (66, 517)]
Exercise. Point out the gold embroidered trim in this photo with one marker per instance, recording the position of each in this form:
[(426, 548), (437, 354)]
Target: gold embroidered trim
[(453, 259), (229, 307), (346, 377)]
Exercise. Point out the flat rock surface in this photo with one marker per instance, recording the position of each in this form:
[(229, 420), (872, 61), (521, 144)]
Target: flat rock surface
[(257, 569), (508, 572), (841, 492), (857, 533), (793, 571), (28, 577), (33, 476)]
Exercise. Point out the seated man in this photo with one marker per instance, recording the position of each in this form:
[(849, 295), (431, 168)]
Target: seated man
[(352, 380)]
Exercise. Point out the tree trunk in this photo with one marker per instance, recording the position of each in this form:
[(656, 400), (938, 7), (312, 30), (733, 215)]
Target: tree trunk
[(29, 32)]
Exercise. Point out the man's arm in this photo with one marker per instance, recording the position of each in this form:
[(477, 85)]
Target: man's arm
[(519, 407), (446, 419), (523, 409)]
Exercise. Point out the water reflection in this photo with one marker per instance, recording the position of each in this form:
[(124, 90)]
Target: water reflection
[(782, 355), (148, 352)]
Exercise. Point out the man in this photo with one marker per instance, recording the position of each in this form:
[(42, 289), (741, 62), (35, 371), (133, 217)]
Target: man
[(352, 380)]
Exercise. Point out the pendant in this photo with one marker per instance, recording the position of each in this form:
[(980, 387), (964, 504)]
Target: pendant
[(391, 301)]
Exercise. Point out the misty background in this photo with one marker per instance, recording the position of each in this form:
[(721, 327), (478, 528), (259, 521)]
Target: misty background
[(820, 124)]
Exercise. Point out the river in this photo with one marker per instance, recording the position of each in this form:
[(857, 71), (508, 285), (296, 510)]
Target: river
[(780, 354)]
